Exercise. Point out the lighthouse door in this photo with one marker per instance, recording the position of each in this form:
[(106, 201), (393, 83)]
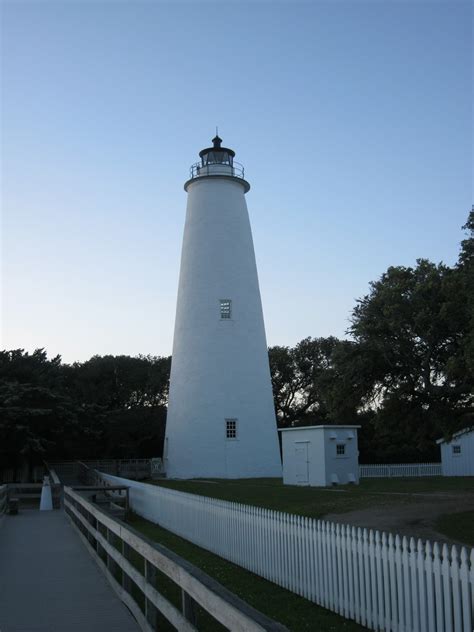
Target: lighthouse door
[(302, 463)]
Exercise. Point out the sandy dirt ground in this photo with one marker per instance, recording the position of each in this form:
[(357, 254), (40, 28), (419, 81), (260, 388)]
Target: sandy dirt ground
[(415, 519)]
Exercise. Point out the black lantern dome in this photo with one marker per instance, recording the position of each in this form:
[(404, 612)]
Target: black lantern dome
[(217, 162), (217, 154)]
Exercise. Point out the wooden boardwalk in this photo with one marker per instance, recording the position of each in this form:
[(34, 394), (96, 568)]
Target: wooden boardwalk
[(50, 583)]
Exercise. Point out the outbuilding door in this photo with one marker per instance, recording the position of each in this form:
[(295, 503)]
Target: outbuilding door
[(301, 463)]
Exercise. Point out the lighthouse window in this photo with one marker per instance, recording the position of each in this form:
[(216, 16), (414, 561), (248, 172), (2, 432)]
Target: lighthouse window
[(231, 428), (340, 449), (456, 449), (226, 308)]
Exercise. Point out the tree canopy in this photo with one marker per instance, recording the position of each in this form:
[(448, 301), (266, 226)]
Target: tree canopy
[(111, 406)]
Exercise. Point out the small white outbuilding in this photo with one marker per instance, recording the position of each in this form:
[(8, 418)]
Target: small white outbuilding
[(457, 455), (320, 455)]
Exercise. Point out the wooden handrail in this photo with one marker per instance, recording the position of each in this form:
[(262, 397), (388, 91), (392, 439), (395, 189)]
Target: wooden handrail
[(196, 586), (31, 491), (54, 477)]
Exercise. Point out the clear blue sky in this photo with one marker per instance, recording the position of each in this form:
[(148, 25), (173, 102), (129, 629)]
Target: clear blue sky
[(353, 121)]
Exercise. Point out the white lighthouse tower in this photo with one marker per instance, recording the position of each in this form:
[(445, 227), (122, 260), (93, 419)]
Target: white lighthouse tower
[(221, 419)]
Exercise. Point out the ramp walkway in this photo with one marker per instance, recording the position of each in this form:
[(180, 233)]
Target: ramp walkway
[(50, 583)]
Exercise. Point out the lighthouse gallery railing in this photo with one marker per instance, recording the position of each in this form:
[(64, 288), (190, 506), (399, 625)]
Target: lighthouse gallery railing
[(235, 170)]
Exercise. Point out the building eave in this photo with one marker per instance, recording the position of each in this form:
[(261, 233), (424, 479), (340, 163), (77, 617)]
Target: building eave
[(460, 433), (324, 427)]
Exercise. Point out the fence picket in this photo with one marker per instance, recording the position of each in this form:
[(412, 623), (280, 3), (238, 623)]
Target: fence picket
[(464, 578), (321, 578), (407, 595), (414, 585), (324, 557), (373, 579), (456, 588), (379, 583), (471, 581), (303, 559), (430, 595), (368, 595), (345, 576), (446, 573), (338, 568), (293, 555), (313, 560), (281, 547), (399, 574), (309, 558), (386, 583), (360, 564), (350, 572), (333, 565), (393, 584), (420, 558), (438, 588)]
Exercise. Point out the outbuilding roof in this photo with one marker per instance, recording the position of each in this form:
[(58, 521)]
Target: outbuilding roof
[(328, 426), (456, 435)]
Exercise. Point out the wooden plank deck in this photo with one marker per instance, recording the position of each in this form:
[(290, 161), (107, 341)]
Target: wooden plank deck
[(50, 583)]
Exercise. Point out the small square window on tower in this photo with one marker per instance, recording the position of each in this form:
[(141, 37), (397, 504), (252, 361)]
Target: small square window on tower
[(231, 428), (340, 449), (226, 308)]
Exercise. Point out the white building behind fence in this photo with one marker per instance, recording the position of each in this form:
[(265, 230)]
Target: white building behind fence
[(457, 455), (320, 455)]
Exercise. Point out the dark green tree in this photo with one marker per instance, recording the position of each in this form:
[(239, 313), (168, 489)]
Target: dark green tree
[(118, 382), (38, 418), (412, 330), (311, 384)]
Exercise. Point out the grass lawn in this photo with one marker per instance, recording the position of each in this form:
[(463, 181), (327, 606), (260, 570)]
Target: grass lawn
[(317, 502), (457, 526), (295, 612)]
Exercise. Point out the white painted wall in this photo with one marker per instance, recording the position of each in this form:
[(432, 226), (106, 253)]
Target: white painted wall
[(323, 465), (220, 368), (458, 464)]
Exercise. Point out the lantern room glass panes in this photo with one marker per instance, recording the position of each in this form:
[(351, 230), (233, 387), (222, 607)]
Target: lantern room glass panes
[(217, 157), (225, 308)]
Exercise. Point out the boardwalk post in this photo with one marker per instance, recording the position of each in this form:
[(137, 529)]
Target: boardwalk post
[(108, 558), (188, 607), (95, 524), (126, 581), (111, 564), (150, 610)]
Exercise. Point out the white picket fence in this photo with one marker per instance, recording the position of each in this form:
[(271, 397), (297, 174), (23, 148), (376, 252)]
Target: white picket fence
[(400, 469), (381, 581)]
